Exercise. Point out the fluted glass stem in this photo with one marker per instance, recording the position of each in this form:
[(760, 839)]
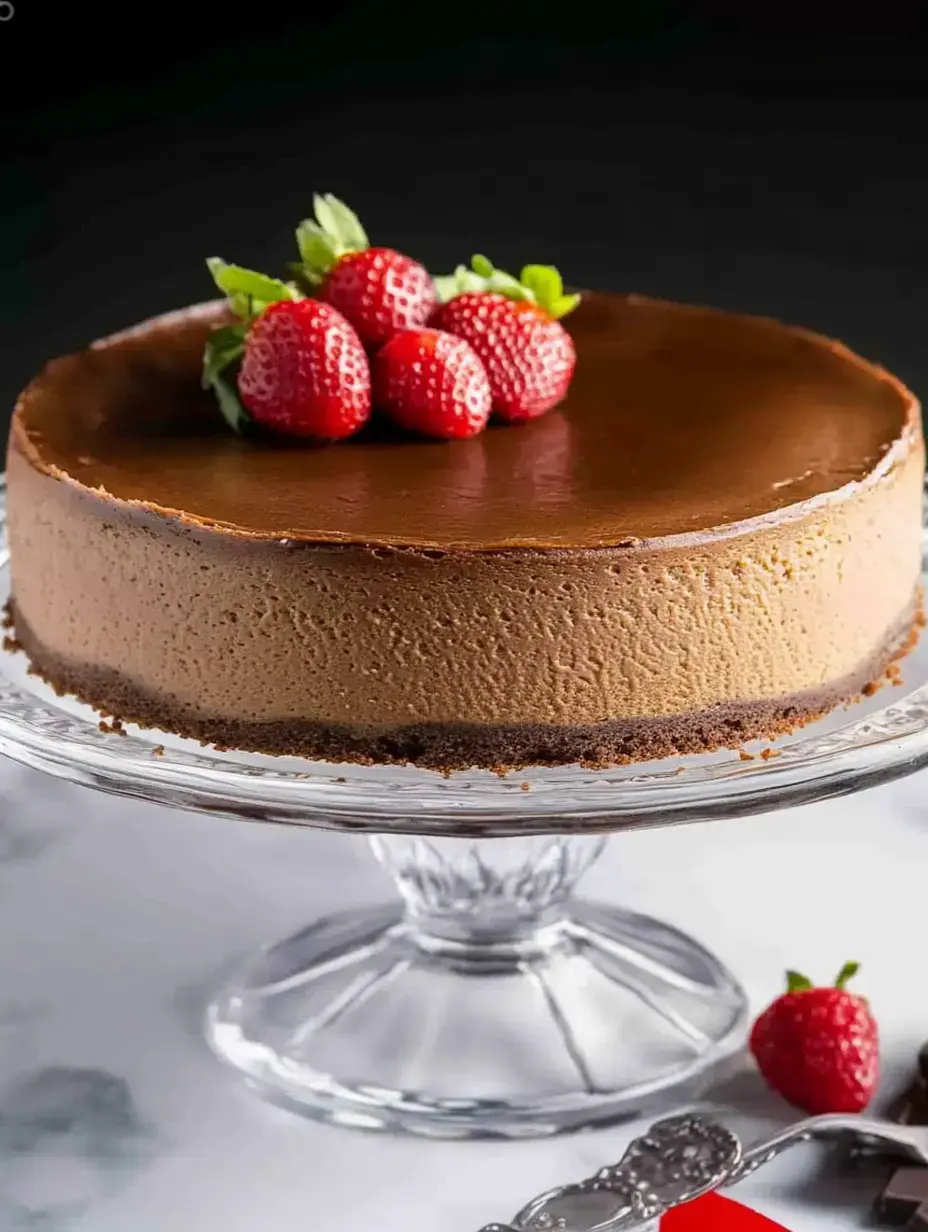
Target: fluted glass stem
[(496, 893)]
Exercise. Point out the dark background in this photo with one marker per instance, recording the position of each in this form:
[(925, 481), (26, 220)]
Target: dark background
[(769, 163)]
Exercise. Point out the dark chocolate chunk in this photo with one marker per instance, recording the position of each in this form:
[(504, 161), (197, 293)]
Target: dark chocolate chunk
[(904, 1201)]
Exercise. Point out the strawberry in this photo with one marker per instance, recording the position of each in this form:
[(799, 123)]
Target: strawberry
[(432, 383), (302, 369), (514, 326), (379, 290), (819, 1047)]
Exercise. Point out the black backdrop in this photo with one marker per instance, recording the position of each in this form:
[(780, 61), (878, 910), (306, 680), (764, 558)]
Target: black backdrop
[(773, 165)]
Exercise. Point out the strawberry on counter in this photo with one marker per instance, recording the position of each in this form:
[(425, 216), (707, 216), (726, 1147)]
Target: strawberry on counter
[(819, 1047)]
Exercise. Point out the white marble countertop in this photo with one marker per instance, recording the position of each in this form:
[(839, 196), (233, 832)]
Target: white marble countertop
[(117, 918)]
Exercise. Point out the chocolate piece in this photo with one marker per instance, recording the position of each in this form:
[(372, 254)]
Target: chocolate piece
[(904, 1201)]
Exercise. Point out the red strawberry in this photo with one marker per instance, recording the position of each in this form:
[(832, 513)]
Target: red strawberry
[(303, 369), (432, 383), (819, 1047), (514, 326), (379, 290)]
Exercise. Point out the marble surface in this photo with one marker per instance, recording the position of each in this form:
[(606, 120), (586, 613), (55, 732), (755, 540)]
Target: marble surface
[(117, 918)]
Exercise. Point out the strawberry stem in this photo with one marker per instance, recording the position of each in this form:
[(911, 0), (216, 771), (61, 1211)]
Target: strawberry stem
[(538, 284), (325, 239), (795, 982), (847, 972)]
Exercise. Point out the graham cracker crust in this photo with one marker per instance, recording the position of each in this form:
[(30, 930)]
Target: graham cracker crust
[(450, 747)]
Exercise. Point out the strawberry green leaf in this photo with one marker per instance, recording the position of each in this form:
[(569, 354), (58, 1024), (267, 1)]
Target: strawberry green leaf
[(223, 349), (847, 972), (248, 292), (317, 252), (233, 412), (337, 220), (481, 266), (482, 276), (539, 284), (796, 982), (547, 287), (323, 240), (450, 286), (543, 281), (498, 280)]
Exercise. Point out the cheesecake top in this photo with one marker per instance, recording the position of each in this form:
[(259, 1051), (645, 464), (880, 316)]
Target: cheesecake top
[(681, 421)]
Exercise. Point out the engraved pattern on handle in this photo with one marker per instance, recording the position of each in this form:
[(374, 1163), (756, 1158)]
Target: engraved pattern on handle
[(677, 1160)]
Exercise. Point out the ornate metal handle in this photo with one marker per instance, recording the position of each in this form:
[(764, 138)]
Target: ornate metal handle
[(679, 1159)]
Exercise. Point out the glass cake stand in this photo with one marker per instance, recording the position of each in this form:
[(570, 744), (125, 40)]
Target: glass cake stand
[(486, 1000)]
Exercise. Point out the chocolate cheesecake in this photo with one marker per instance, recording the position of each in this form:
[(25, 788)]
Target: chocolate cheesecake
[(716, 537)]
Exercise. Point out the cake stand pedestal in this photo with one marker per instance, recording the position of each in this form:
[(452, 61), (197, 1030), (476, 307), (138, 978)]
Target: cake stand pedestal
[(487, 1000)]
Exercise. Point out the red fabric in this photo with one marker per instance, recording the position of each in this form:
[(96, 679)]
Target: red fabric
[(715, 1214)]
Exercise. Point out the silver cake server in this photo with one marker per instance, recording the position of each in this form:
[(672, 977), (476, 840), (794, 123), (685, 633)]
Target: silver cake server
[(679, 1159), (683, 1158)]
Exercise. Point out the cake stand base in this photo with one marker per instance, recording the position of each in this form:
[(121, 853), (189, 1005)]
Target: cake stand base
[(492, 1005)]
